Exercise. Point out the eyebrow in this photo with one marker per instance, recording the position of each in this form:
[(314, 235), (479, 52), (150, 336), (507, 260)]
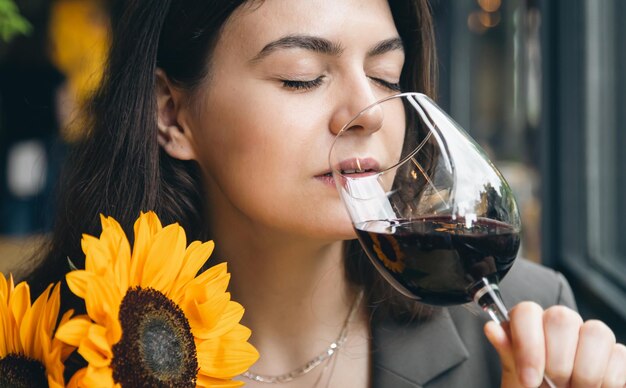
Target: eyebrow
[(323, 46), (312, 43), (385, 46)]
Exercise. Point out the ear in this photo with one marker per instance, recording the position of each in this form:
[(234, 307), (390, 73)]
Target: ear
[(174, 136)]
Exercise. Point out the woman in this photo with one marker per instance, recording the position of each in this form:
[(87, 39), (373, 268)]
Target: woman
[(220, 117)]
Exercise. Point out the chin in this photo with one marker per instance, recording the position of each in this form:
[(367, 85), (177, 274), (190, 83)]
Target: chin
[(330, 224), (343, 233), (329, 231), (349, 235)]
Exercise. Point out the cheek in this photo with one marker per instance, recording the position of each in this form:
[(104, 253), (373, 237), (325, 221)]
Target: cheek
[(234, 130), (247, 125), (244, 151), (261, 159), (241, 152)]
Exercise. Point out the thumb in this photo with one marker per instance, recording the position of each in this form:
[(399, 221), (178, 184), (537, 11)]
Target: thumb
[(499, 338)]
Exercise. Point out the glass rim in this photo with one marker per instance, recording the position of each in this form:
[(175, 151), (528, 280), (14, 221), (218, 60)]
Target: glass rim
[(402, 160)]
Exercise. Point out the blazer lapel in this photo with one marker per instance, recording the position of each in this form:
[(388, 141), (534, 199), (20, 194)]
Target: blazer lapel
[(410, 355)]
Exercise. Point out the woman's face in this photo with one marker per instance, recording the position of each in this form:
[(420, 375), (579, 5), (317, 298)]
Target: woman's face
[(285, 77)]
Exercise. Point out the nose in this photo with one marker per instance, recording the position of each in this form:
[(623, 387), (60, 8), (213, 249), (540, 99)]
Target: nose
[(351, 111)]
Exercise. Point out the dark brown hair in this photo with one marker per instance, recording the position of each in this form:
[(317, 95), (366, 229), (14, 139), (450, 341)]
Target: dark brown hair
[(120, 170)]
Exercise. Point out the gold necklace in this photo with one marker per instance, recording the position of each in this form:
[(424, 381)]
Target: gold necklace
[(316, 361)]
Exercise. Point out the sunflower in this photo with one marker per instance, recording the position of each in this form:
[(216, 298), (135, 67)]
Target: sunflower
[(29, 355), (151, 322), (389, 252)]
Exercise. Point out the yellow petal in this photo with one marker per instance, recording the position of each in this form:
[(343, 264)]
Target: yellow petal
[(205, 316), (52, 383), (7, 331), (54, 368), (146, 227), (102, 300), (92, 356), (4, 328), (65, 349), (238, 333), (97, 256), (74, 330), (215, 276), (196, 255), (122, 266), (86, 241), (29, 333), (98, 340), (4, 289), (45, 353), (226, 323), (104, 222), (164, 259), (78, 282), (202, 293), (77, 378), (19, 302), (66, 316), (11, 285), (213, 272), (224, 357), (47, 323), (114, 329), (118, 246), (111, 232), (52, 309)]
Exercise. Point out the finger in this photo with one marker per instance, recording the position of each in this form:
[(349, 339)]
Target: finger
[(528, 342), (561, 326), (595, 345), (615, 374), (499, 338)]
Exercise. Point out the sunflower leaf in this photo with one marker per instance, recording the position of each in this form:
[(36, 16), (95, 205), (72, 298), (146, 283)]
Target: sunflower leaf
[(11, 22), (72, 266)]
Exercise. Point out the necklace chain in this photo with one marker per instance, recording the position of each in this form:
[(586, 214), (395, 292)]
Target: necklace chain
[(332, 349)]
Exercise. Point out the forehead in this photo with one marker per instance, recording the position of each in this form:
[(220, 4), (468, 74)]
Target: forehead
[(259, 22)]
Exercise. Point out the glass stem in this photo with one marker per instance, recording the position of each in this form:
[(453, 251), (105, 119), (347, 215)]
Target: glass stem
[(489, 299)]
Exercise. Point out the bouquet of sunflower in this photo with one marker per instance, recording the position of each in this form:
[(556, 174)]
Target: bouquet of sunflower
[(151, 320)]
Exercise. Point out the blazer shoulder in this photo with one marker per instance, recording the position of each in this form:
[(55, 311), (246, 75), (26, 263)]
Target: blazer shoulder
[(533, 282)]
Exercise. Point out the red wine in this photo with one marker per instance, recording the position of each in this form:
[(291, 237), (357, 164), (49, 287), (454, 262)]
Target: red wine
[(440, 260)]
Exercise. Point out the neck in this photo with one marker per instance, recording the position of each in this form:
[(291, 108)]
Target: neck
[(295, 294)]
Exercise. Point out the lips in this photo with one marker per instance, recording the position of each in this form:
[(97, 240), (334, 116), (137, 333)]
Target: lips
[(359, 166), (353, 168)]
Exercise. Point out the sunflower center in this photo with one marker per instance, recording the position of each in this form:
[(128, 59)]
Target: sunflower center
[(157, 348), (159, 341), (17, 371)]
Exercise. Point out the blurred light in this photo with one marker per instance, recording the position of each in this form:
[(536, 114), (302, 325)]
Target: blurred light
[(474, 24), (489, 19), (489, 5), (79, 40), (26, 168)]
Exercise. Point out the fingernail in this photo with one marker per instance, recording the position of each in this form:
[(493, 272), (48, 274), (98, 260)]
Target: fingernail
[(530, 377)]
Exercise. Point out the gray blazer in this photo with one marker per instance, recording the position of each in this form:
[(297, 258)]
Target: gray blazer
[(450, 350)]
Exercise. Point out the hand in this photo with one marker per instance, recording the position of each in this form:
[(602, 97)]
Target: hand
[(557, 342)]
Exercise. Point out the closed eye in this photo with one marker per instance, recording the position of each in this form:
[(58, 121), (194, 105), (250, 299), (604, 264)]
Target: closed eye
[(386, 84), (303, 85)]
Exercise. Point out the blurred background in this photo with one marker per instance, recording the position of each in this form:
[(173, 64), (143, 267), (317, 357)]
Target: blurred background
[(535, 82)]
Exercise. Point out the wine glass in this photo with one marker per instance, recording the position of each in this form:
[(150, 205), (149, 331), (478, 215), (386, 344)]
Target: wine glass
[(434, 215)]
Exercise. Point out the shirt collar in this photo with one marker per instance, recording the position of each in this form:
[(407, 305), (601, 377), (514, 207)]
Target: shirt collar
[(410, 355)]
